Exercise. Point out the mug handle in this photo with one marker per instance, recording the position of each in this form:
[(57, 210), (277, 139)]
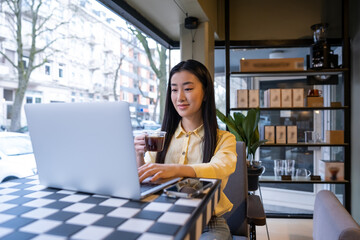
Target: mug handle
[(263, 170), (308, 173)]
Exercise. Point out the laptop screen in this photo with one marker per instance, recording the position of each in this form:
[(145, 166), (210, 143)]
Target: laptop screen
[(85, 147)]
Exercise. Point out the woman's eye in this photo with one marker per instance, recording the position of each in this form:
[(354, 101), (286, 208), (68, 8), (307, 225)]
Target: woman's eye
[(173, 90), (188, 89)]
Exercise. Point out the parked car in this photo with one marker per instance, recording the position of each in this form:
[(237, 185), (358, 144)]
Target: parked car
[(24, 129), (16, 156), (149, 125), (135, 124)]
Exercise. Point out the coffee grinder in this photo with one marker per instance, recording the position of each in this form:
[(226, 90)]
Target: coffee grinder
[(321, 57)]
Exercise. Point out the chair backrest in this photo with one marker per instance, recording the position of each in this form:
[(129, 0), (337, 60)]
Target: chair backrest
[(237, 191), (331, 220)]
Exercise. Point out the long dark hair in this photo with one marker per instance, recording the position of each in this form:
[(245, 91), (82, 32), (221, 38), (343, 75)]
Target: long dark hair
[(208, 109)]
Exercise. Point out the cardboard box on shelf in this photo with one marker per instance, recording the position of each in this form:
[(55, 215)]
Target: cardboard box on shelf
[(335, 104), (298, 97), (315, 101), (286, 98), (291, 134), (281, 134), (335, 136), (254, 98), (269, 132), (272, 98), (272, 65), (242, 98), (331, 170)]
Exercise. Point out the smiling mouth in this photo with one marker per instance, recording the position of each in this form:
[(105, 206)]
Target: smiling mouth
[(183, 106)]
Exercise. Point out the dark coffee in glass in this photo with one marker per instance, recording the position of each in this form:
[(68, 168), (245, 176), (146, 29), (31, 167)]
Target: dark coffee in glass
[(154, 141)]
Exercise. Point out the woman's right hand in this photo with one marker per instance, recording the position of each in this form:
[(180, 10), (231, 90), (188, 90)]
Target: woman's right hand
[(140, 149)]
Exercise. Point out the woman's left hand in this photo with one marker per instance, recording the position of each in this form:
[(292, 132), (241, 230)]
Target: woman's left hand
[(158, 171)]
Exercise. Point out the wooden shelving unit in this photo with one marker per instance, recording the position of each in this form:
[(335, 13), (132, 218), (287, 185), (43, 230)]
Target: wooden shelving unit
[(344, 71)]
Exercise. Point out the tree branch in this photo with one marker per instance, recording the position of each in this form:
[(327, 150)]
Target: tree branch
[(145, 44), (40, 64), (12, 8), (7, 58), (116, 76)]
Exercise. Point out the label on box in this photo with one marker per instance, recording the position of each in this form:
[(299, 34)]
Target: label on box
[(286, 98), (291, 134), (280, 134), (254, 98), (269, 134), (270, 65), (242, 98), (298, 97)]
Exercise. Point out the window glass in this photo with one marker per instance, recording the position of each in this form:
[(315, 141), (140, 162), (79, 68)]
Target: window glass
[(47, 70), (8, 95), (8, 111), (92, 50), (61, 70)]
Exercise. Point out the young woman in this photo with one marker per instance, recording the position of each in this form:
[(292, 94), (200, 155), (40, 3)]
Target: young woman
[(194, 146)]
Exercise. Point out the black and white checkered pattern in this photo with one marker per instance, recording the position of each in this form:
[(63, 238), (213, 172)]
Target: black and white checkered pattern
[(31, 211)]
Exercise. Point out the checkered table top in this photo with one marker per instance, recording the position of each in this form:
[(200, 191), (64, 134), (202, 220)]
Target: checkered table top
[(29, 210)]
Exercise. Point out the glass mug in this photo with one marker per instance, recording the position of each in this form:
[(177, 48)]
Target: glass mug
[(312, 137), (290, 167), (154, 141), (302, 173), (279, 167), (259, 164)]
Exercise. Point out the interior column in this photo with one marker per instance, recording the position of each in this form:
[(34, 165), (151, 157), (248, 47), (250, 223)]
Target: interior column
[(198, 44)]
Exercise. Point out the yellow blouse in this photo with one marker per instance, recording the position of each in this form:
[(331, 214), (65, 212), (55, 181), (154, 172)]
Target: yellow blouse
[(187, 148)]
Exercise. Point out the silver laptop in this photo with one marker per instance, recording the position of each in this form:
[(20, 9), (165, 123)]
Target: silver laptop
[(86, 147)]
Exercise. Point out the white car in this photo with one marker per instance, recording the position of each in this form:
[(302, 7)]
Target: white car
[(150, 125), (16, 156)]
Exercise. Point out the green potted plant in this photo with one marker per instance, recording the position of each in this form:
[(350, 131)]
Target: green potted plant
[(245, 129)]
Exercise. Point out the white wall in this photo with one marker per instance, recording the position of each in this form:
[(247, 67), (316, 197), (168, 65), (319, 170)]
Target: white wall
[(355, 109), (198, 44)]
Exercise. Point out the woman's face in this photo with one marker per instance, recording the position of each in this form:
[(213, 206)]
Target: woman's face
[(187, 94)]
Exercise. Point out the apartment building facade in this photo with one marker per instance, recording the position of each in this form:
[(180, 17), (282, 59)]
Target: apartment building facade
[(95, 57)]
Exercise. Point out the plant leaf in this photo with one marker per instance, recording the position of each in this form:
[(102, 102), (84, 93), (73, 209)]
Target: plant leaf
[(248, 124), (239, 118), (230, 123)]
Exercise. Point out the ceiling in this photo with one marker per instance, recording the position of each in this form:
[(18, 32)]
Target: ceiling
[(160, 19), (167, 15)]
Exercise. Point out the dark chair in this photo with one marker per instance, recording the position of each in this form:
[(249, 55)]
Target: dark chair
[(247, 209)]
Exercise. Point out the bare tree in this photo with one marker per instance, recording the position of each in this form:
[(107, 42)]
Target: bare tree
[(19, 10), (160, 70), (116, 76)]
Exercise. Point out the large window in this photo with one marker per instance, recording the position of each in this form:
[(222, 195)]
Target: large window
[(85, 53)]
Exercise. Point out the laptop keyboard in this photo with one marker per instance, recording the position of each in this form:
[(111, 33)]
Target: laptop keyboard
[(148, 185)]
